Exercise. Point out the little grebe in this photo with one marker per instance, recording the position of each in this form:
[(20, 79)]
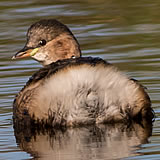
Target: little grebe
[(72, 90)]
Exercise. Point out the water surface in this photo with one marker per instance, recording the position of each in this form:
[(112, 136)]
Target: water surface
[(125, 33)]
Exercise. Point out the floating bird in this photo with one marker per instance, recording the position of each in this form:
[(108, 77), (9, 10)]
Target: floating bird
[(72, 90)]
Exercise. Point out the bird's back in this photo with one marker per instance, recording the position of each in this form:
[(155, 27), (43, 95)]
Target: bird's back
[(81, 91)]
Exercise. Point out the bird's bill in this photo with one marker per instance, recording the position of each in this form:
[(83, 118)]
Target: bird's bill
[(25, 52)]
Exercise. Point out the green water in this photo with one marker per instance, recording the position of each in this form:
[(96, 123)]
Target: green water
[(125, 33)]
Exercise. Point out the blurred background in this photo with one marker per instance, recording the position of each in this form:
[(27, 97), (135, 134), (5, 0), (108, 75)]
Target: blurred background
[(125, 33)]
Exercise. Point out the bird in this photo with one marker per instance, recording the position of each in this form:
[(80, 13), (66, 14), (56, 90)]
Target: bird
[(73, 90)]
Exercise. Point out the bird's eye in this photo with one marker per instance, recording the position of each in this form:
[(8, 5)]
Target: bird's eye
[(42, 42)]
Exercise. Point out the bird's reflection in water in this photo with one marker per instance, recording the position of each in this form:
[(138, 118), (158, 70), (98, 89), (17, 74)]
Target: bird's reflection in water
[(89, 142)]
